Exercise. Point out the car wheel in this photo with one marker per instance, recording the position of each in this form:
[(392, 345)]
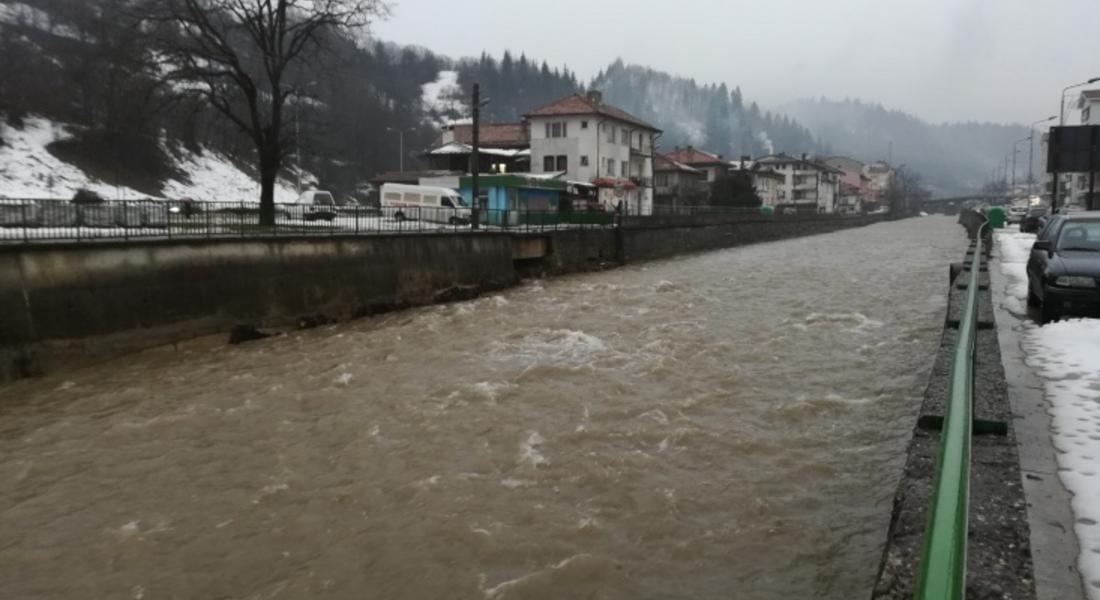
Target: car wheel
[(1047, 313), (1032, 300)]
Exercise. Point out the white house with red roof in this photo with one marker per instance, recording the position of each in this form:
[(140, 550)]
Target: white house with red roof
[(591, 141)]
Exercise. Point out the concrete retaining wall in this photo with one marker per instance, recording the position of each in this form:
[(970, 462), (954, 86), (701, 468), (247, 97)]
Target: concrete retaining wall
[(69, 304), (61, 302), (645, 243), (999, 562)]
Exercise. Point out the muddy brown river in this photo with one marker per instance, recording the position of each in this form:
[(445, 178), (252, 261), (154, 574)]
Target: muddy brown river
[(721, 425)]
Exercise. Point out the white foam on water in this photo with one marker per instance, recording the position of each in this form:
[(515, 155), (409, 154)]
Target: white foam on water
[(529, 450), (513, 483), (552, 346), (859, 320), (541, 583), (344, 379)]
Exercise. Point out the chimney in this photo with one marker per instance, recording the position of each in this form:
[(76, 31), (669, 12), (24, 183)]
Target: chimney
[(595, 96)]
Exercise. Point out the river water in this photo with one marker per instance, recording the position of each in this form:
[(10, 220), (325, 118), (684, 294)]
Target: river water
[(722, 425)]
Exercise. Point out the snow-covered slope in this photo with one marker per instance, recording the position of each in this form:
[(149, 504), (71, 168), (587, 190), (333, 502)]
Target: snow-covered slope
[(29, 170), (440, 98)]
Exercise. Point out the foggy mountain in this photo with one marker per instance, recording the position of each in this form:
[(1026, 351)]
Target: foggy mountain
[(709, 116), (952, 158)]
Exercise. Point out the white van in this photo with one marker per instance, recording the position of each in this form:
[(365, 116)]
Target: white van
[(427, 203), (319, 205)]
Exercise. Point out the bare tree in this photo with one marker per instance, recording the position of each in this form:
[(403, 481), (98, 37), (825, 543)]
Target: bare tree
[(243, 57)]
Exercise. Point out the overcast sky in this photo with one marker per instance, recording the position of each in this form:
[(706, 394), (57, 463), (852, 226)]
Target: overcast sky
[(943, 60)]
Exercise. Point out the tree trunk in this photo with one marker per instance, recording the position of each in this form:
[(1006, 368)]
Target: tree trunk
[(269, 170)]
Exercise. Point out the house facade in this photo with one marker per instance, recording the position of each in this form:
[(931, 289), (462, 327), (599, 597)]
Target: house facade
[(880, 176), (677, 185), (587, 140), (808, 185)]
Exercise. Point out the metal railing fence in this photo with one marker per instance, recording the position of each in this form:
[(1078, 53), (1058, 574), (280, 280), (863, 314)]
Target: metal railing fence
[(942, 574)]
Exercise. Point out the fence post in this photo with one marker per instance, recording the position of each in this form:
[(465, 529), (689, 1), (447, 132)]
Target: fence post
[(356, 214), (125, 220), (23, 213)]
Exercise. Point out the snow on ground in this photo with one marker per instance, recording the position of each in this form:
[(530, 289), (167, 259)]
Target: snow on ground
[(1066, 355), (28, 170), (440, 96)]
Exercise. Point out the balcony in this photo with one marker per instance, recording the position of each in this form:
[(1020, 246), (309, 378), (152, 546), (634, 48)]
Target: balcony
[(642, 181)]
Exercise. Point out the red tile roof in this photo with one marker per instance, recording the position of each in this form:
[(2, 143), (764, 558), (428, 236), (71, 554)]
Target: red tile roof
[(495, 135), (662, 162), (691, 156), (580, 105)]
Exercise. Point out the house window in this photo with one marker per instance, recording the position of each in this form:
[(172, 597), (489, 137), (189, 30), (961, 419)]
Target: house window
[(548, 164), (610, 134), (626, 169), (662, 179), (556, 130), (624, 137), (584, 124), (563, 163), (611, 167), (584, 161)]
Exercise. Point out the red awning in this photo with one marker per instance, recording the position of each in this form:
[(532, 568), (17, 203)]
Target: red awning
[(610, 182)]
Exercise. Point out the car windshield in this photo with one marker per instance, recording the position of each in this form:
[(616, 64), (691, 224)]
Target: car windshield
[(460, 201), (1080, 236)]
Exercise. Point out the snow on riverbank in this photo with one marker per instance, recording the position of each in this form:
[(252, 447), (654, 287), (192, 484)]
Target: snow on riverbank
[(1066, 355), (29, 170)]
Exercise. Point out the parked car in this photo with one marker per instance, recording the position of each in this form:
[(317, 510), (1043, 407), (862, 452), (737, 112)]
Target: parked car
[(1030, 223), (426, 203), (1063, 270), (1016, 213), (319, 205)]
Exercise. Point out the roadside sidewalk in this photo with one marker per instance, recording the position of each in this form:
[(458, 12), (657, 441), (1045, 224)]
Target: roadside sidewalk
[(1053, 375)]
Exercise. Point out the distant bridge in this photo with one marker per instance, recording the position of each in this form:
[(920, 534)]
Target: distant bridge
[(951, 205)]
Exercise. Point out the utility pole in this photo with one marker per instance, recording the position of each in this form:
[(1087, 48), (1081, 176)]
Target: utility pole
[(475, 159)]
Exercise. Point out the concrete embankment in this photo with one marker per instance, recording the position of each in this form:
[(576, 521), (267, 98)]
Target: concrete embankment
[(71, 304), (999, 561)]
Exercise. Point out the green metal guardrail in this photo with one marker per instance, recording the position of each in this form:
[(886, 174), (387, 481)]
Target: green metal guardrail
[(942, 573)]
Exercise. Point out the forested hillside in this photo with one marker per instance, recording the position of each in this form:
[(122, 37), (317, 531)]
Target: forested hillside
[(709, 116), (90, 65), (90, 73), (514, 86)]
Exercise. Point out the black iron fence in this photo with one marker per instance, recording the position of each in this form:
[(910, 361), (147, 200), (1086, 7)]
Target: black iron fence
[(30, 220), (26, 221)]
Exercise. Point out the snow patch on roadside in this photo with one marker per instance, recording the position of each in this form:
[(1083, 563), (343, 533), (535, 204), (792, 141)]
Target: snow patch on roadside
[(1066, 355)]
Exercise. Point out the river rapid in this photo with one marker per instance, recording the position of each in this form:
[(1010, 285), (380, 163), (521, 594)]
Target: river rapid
[(721, 425)]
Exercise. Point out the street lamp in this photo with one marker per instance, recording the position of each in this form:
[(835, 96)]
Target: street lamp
[(401, 134), (1062, 113), (1016, 151), (1031, 151)]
